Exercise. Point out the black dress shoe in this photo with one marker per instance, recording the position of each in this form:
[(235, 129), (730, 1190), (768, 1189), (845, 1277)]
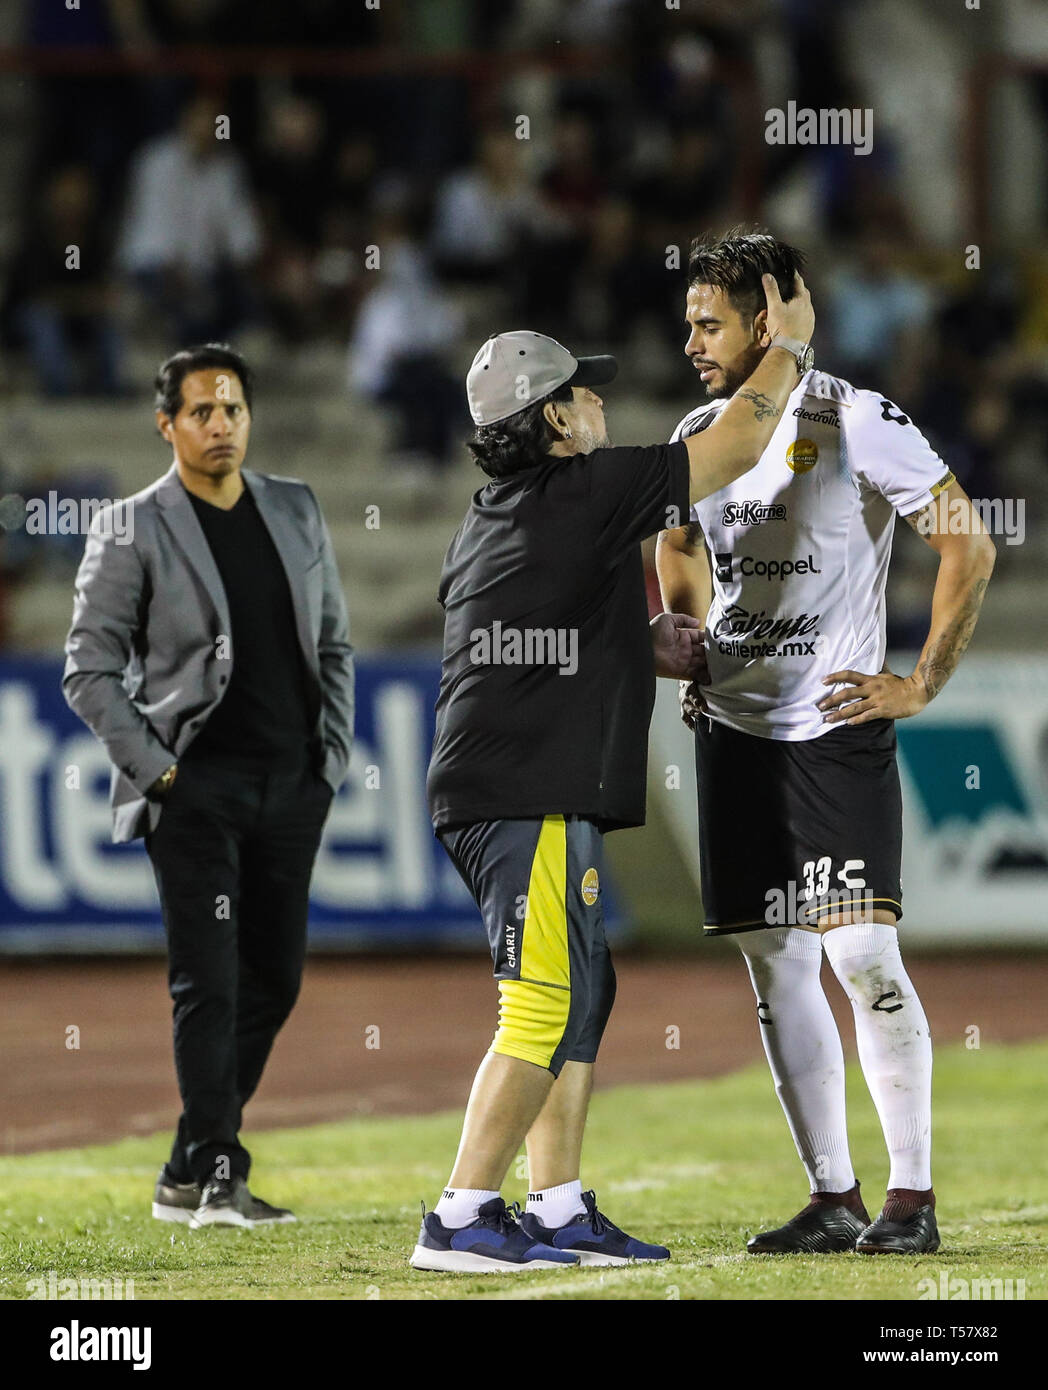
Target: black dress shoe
[(915, 1234), (829, 1224)]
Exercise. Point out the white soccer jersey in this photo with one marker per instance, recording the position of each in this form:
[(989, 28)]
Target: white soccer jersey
[(800, 546)]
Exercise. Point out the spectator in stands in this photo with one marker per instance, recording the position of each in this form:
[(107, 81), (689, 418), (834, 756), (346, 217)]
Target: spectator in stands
[(61, 298), (292, 178), (661, 208), (879, 318), (353, 169), (398, 352), (85, 117), (554, 251), (292, 173), (690, 188), (191, 234), (969, 406), (336, 280), (627, 280), (482, 210), (190, 21)]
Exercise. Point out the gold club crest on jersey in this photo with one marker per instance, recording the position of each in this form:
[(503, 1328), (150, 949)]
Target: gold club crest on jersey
[(590, 887), (802, 455)]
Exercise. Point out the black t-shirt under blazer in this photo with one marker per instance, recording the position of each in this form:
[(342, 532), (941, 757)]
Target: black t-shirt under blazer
[(548, 678), (267, 711)]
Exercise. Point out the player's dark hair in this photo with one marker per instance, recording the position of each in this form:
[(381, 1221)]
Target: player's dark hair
[(522, 441), (736, 261), (204, 357)]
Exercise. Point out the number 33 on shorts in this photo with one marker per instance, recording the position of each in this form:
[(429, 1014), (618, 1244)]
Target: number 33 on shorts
[(817, 875)]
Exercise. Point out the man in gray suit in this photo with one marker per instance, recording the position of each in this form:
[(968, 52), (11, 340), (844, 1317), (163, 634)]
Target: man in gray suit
[(209, 653)]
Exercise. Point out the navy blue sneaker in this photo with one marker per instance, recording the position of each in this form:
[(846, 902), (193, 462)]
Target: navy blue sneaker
[(591, 1236), (495, 1242)]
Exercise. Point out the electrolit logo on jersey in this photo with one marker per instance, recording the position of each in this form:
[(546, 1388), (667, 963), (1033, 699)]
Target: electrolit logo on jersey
[(752, 512), (590, 887), (826, 416), (802, 456)]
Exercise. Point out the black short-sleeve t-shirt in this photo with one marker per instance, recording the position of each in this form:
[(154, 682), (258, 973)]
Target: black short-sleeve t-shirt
[(548, 678)]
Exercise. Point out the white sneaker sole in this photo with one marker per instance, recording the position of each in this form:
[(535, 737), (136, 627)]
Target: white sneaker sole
[(220, 1218), (182, 1215), (462, 1262), (273, 1220), (591, 1257)]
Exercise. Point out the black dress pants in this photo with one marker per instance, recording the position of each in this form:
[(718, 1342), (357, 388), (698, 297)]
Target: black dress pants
[(232, 855)]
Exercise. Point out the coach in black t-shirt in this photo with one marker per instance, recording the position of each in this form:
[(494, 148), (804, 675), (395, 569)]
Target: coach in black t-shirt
[(541, 746), (210, 655)]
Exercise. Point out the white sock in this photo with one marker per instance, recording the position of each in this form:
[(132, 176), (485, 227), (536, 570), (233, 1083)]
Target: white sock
[(895, 1046), (555, 1206), (458, 1206), (803, 1048)]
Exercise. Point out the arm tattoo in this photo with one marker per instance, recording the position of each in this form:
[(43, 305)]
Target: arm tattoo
[(923, 520), (763, 406), (939, 665)]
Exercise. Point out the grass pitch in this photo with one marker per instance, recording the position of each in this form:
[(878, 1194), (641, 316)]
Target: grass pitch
[(697, 1165)]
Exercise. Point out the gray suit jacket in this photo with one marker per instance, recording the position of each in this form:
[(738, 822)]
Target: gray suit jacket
[(142, 670)]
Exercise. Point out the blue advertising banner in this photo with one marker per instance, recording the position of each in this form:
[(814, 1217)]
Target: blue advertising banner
[(381, 879)]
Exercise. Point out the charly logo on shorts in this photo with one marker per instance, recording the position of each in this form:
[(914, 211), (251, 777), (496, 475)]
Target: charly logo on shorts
[(802, 456), (590, 887)]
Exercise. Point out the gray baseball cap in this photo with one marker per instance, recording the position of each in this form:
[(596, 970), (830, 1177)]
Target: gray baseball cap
[(514, 370)]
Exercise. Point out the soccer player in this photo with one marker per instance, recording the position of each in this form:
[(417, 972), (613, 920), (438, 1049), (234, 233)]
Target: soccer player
[(541, 747), (800, 812)]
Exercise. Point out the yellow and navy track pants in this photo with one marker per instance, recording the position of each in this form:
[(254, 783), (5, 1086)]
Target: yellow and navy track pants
[(537, 884)]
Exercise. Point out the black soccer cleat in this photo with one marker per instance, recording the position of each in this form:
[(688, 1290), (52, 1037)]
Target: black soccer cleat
[(915, 1234), (830, 1224)]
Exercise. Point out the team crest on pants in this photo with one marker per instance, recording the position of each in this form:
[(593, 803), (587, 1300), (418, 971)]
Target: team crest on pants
[(590, 887)]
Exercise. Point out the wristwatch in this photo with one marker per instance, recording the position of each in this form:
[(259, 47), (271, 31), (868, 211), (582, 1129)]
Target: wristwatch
[(803, 352)]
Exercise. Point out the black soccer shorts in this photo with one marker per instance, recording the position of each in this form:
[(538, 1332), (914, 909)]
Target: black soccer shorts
[(790, 833), (537, 884)]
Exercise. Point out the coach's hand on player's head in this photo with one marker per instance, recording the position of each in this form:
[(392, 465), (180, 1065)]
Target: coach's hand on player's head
[(793, 317), (679, 644)]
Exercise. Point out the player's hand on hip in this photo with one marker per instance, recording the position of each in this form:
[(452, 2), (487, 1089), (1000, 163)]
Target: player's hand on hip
[(679, 644), (795, 318), (884, 696), (692, 705)]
